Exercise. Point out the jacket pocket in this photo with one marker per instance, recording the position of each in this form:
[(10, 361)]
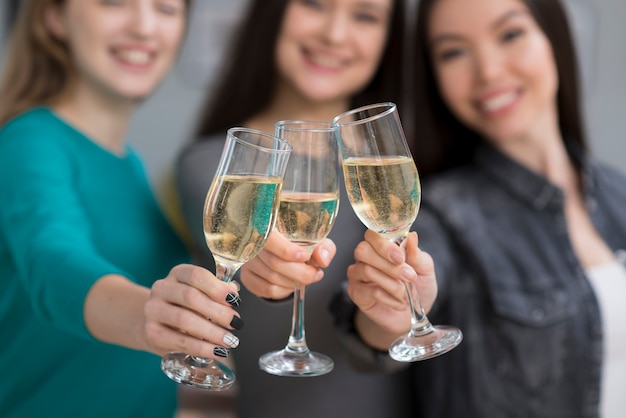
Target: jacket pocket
[(532, 332)]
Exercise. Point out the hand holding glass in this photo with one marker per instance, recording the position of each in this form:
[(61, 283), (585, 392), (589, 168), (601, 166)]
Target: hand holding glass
[(239, 214), (308, 209), (384, 190)]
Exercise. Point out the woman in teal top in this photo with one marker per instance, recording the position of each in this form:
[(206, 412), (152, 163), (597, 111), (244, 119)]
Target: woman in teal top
[(93, 285)]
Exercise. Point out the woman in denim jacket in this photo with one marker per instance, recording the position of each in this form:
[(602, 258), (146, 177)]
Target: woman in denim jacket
[(525, 230)]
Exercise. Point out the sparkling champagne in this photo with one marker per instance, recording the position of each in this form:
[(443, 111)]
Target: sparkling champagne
[(307, 218), (239, 214), (384, 192)]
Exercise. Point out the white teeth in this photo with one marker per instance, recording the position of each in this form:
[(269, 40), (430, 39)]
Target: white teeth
[(499, 102), (326, 61), (135, 56)]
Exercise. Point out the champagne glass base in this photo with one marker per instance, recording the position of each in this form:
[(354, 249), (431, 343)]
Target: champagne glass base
[(438, 341), (206, 374), (289, 363)]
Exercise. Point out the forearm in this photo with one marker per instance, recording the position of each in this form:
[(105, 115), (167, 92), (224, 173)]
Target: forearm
[(363, 356), (371, 333), (114, 311)]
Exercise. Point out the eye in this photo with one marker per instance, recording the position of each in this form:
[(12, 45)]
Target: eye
[(449, 54), (112, 2), (314, 4), (511, 35), (367, 17), (171, 8)]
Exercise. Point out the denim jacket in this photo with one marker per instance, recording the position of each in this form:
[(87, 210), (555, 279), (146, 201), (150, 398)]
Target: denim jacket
[(509, 278)]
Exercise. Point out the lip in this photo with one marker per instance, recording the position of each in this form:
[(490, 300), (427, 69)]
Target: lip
[(323, 61), (497, 103), (134, 57)]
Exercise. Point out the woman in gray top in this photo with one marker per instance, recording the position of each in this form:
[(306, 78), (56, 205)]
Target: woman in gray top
[(297, 59)]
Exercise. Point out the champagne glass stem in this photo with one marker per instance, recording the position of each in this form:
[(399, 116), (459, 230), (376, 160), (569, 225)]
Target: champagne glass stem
[(295, 359), (420, 325), (424, 340), (225, 273), (297, 341)]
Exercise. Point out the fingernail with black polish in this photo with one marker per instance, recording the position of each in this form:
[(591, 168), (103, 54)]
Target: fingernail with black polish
[(236, 323), (220, 352), (233, 299)]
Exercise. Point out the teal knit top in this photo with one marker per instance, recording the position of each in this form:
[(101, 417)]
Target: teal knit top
[(70, 213)]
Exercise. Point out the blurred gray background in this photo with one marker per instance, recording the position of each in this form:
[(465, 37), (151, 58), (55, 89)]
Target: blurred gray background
[(166, 121)]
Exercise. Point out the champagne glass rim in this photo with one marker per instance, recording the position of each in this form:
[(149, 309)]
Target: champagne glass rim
[(389, 107), (286, 147), (298, 125)]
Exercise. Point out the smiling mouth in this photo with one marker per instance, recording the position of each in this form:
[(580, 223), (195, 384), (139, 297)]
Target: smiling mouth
[(498, 103), (134, 56), (326, 61)]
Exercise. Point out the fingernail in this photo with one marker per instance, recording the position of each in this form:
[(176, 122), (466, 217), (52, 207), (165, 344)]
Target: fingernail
[(236, 323), (220, 352), (233, 299), (231, 341), (325, 255), (409, 273), (397, 257)]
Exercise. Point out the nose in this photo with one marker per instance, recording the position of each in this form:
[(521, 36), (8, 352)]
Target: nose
[(143, 21), (488, 64), (337, 28)]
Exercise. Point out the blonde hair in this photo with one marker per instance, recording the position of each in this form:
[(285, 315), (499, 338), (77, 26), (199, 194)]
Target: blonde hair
[(38, 67)]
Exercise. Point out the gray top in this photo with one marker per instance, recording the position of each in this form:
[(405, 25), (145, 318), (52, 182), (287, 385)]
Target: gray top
[(342, 392)]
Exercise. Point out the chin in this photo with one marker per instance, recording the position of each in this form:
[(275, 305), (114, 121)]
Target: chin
[(501, 132), (318, 96), (135, 90), (136, 97)]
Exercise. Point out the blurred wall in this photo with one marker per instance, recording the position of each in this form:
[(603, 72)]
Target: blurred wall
[(606, 90), (3, 28), (165, 122)]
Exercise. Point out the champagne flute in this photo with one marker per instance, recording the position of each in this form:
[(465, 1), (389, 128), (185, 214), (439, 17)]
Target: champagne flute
[(308, 209), (239, 213), (384, 190)]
